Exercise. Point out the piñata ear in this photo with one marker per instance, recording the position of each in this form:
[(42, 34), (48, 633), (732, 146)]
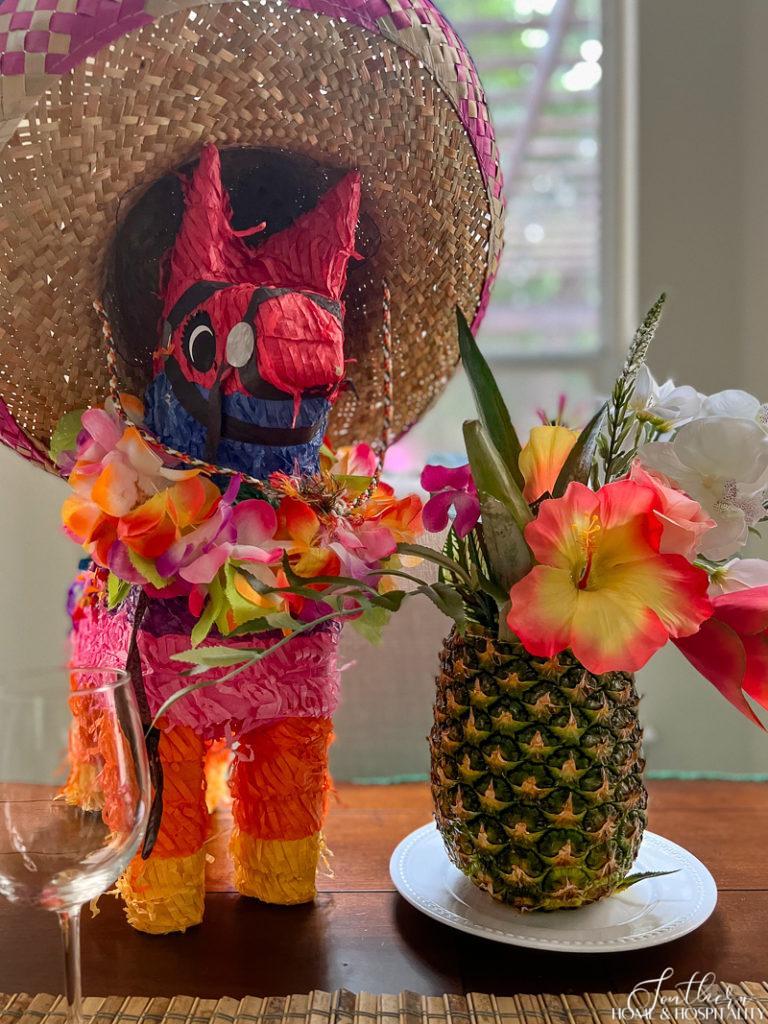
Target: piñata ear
[(207, 248), (313, 253)]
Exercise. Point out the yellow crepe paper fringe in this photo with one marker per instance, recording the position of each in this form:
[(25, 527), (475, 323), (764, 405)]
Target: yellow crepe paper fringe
[(164, 894), (276, 870), (83, 788)]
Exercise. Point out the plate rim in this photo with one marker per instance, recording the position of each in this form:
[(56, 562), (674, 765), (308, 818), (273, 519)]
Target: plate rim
[(706, 890)]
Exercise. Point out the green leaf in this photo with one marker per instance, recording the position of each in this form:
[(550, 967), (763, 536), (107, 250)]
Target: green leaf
[(117, 591), (490, 405), (509, 555), (233, 605), (260, 625), (213, 657), (371, 624), (492, 589), (282, 620), (448, 600), (491, 475), (148, 570), (64, 437), (210, 613), (391, 600), (578, 466), (353, 484), (301, 584)]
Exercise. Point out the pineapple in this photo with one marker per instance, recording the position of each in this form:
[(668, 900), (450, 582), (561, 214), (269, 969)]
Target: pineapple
[(537, 773)]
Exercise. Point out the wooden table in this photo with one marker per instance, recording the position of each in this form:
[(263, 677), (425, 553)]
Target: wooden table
[(361, 935)]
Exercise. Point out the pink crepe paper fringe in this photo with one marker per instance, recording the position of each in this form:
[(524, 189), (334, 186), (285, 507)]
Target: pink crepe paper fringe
[(300, 680)]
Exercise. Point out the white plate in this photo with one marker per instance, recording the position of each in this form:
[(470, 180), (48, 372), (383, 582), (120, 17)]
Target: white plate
[(654, 911)]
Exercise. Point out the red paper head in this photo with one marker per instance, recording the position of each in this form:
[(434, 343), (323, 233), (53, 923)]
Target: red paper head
[(260, 320)]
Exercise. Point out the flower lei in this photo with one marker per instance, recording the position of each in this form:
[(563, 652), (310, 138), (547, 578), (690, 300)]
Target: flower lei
[(297, 551)]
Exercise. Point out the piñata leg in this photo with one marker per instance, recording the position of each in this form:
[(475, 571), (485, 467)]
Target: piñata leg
[(166, 892), (83, 788), (97, 638), (280, 786)]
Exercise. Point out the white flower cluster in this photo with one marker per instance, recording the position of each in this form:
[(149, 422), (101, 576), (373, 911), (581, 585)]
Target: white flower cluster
[(667, 406), (716, 450)]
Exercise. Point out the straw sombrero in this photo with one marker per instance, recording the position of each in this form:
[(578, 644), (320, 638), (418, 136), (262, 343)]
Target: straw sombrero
[(101, 101)]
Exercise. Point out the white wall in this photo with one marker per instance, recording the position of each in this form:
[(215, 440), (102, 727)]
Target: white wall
[(36, 565), (703, 237)]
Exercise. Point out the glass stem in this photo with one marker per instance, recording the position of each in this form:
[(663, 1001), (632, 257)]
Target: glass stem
[(70, 934)]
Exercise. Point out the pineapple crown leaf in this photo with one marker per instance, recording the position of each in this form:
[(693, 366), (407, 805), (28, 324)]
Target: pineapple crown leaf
[(491, 475), (491, 407), (578, 466)]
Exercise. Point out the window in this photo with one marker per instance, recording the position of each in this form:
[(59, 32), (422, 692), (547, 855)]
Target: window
[(552, 323)]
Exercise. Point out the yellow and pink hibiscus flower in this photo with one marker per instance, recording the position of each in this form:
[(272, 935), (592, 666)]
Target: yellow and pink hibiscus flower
[(684, 522), (401, 517), (602, 587)]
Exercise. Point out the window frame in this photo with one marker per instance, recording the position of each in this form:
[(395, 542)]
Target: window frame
[(618, 249)]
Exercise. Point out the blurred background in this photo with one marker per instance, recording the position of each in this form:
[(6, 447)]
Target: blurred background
[(635, 150)]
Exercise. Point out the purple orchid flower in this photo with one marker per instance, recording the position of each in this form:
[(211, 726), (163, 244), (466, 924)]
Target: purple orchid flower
[(450, 487)]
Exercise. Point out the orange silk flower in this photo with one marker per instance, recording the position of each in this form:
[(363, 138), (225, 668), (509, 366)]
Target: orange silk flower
[(401, 516), (148, 530), (301, 527), (601, 587)]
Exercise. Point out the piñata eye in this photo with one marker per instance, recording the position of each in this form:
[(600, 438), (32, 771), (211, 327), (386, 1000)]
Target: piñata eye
[(200, 342)]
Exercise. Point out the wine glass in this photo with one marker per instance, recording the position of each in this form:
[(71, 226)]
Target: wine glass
[(68, 832)]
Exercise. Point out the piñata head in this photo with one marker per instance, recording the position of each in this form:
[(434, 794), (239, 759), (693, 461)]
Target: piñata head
[(252, 349)]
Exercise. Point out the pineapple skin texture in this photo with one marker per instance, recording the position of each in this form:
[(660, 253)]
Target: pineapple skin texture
[(537, 773)]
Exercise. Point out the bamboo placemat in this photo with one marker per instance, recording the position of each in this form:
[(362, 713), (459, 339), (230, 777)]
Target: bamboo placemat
[(748, 1002)]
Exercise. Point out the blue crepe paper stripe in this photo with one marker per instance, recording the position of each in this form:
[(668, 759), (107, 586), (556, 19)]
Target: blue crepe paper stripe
[(174, 426)]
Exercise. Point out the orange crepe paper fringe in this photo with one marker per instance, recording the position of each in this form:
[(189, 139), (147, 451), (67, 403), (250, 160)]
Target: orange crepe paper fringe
[(120, 794), (83, 788), (184, 826), (274, 870), (164, 894), (217, 761), (280, 779)]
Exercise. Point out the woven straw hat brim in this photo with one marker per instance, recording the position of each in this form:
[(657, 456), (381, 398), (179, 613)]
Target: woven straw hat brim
[(92, 114)]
